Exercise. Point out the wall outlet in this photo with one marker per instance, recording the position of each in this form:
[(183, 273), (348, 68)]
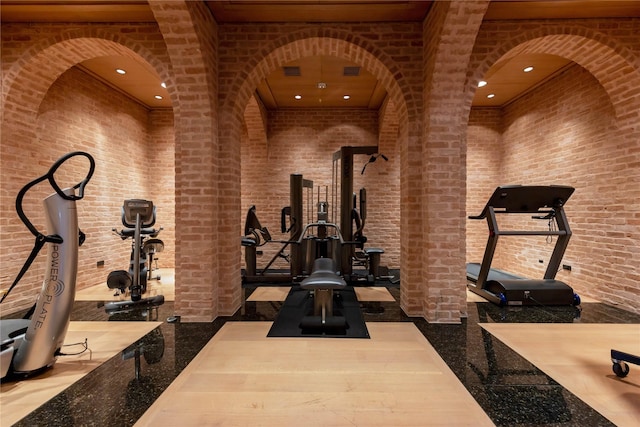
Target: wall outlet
[(566, 267), (100, 264)]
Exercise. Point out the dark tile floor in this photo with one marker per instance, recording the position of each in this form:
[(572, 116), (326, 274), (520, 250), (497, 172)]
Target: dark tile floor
[(511, 391)]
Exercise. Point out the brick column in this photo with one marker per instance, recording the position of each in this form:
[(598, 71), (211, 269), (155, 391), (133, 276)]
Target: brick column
[(190, 35), (449, 35)]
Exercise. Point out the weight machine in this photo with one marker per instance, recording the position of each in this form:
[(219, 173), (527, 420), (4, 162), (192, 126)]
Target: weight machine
[(344, 245), (354, 252)]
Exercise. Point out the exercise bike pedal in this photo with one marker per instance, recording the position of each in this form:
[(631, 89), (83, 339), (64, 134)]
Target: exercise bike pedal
[(136, 293)]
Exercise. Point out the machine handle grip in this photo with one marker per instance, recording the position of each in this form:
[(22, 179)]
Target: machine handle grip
[(50, 177), (284, 213), (80, 186)]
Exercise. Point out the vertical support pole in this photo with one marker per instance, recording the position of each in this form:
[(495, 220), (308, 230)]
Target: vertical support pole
[(250, 255), (346, 206), (492, 242), (335, 179), (561, 244), (136, 286), (295, 194)]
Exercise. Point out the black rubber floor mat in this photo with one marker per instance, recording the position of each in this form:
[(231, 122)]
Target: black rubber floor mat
[(299, 304)]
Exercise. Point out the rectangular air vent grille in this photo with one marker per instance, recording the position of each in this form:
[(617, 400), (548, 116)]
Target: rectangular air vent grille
[(351, 71), (291, 71)]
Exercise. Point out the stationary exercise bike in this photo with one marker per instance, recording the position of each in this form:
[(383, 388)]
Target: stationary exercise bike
[(33, 344), (138, 217)]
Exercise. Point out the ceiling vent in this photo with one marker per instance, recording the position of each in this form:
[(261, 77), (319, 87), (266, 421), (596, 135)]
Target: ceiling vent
[(351, 71), (291, 71)]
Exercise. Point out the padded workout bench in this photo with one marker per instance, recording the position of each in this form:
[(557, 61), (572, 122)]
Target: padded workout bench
[(323, 281)]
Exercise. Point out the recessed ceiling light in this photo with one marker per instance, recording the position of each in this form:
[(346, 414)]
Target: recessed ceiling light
[(120, 71), (346, 97), (298, 97), (163, 84), (482, 83), (157, 97), (491, 95), (528, 69)]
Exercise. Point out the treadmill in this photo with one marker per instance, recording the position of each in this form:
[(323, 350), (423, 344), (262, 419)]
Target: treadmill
[(503, 288)]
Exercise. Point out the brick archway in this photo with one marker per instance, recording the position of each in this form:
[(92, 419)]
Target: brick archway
[(27, 84), (610, 70), (316, 41), (56, 55), (608, 61), (299, 45)]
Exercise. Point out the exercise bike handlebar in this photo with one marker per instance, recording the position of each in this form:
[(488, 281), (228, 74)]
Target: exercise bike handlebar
[(126, 233)]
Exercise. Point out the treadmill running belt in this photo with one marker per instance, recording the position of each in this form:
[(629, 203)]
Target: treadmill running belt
[(473, 270)]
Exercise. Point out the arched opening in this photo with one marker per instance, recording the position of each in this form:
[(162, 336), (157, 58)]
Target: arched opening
[(572, 129), (327, 135), (66, 109)]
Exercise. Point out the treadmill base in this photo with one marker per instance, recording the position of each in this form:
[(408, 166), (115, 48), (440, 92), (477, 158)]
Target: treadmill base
[(527, 292), (532, 292)]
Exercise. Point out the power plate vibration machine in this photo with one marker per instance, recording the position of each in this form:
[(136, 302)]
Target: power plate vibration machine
[(33, 344)]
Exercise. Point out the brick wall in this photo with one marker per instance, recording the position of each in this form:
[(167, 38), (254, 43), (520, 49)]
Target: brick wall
[(385, 218), (160, 177), (484, 162)]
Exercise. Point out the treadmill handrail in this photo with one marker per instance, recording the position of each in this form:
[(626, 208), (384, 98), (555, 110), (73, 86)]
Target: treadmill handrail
[(533, 233)]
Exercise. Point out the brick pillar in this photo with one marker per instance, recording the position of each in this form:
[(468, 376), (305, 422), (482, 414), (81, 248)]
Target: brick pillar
[(190, 35), (230, 292), (413, 240), (449, 35)]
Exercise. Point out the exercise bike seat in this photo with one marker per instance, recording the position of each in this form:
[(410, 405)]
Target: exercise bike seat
[(119, 279), (323, 276), (153, 246)]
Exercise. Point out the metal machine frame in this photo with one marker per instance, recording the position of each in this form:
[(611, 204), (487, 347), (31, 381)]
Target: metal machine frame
[(345, 172), (300, 265)]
